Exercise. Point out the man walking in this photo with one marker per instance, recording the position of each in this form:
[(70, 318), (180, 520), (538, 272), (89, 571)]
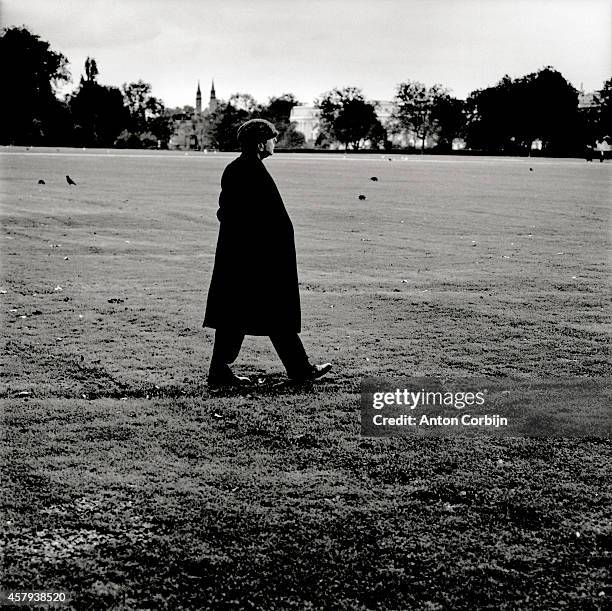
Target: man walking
[(254, 285)]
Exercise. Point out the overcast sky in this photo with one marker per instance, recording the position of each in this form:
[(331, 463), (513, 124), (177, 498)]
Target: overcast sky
[(306, 47)]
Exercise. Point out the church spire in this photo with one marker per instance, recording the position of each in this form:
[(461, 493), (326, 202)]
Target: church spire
[(212, 104), (198, 100)]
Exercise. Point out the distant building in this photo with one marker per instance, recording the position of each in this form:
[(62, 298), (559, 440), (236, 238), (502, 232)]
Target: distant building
[(190, 131), (587, 99), (306, 119)]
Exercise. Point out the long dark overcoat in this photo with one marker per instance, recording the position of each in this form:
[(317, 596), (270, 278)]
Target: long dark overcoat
[(254, 285)]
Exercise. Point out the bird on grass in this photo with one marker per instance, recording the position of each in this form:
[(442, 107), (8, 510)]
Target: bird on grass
[(69, 180), (362, 197), (41, 182)]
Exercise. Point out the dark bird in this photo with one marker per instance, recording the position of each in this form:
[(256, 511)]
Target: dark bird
[(41, 182), (374, 178), (362, 197), (69, 180), (531, 169)]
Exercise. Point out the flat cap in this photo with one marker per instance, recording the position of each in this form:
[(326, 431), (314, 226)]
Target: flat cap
[(255, 131)]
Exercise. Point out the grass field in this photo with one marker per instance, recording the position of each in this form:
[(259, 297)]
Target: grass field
[(129, 485)]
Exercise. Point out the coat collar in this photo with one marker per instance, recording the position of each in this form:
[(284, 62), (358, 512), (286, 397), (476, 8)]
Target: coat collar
[(251, 157)]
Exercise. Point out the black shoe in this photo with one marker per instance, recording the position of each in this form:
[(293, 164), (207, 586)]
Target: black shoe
[(314, 373), (226, 379)]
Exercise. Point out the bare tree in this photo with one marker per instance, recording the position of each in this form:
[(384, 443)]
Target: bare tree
[(415, 108)]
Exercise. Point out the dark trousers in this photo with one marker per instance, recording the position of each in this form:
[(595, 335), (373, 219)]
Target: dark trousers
[(288, 346)]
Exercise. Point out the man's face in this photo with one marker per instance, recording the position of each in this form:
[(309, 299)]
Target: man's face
[(268, 148)]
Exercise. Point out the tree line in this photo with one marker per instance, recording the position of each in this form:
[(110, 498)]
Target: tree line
[(506, 118), (509, 117)]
